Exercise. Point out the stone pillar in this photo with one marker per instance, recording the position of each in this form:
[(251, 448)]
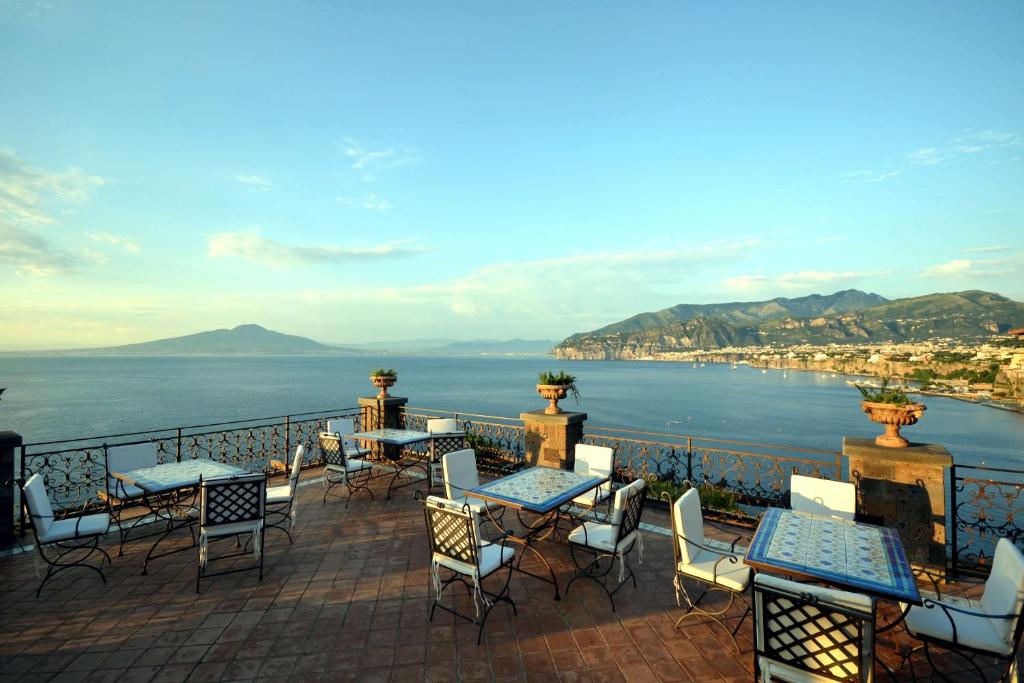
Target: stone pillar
[(10, 442), (384, 413), (551, 439), (905, 489)]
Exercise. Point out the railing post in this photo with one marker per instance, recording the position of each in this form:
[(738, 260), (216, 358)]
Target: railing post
[(287, 444), (177, 449), (689, 459), (953, 564), (9, 443), (21, 508)]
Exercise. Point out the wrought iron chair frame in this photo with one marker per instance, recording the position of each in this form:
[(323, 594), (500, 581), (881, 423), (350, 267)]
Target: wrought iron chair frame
[(354, 481), (283, 514), (258, 482), (863, 622), (116, 504), (630, 523), (470, 556), (65, 547), (693, 608)]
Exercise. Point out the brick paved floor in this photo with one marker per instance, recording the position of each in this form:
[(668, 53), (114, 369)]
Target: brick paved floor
[(350, 601)]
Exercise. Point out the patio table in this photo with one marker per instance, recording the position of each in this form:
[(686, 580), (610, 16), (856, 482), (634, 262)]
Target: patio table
[(161, 486), (400, 438), (540, 491)]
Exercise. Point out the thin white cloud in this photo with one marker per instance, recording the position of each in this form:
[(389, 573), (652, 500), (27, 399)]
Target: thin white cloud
[(250, 245), (32, 254), (989, 250), (30, 195), (866, 175), (125, 243), (255, 183), (969, 143), (367, 162), (965, 267), (800, 280), (371, 202)]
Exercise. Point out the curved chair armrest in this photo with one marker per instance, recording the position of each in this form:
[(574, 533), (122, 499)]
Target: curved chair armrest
[(732, 546), (946, 609), (725, 556)]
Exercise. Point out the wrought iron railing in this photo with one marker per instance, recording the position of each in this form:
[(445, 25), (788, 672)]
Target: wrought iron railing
[(74, 470), (983, 507), (757, 474), (499, 442)]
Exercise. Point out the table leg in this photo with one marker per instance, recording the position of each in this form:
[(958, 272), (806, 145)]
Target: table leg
[(532, 533)]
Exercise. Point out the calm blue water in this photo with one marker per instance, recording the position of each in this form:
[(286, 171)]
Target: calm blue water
[(63, 397)]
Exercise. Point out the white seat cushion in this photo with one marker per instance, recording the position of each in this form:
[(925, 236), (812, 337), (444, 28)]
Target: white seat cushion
[(587, 499), (353, 466), (230, 529), (476, 505), (600, 536), (64, 529), (972, 631), (740, 550), (279, 494), (491, 556), (122, 490), (357, 451), (732, 575)]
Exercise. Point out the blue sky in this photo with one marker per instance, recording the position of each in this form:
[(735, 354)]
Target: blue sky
[(362, 171)]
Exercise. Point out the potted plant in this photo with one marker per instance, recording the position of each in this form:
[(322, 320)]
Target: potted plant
[(889, 406), (383, 378), (554, 386)]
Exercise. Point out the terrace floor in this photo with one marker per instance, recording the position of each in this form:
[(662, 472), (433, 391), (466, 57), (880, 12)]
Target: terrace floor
[(350, 601)]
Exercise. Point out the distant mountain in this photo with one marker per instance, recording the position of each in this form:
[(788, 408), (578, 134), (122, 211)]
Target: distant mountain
[(960, 315), (402, 345), (750, 312), (241, 339), (508, 346)]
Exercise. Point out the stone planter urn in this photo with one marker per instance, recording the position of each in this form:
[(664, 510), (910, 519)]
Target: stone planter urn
[(382, 382), (893, 417), (553, 393)]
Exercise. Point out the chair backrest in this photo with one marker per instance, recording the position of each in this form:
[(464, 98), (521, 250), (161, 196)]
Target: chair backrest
[(594, 460), (232, 499), (688, 521), (628, 508), (1004, 590), (346, 427), (460, 473), (333, 450), (811, 629), (293, 475), (823, 496), (442, 425), (33, 493), (453, 530), (132, 456)]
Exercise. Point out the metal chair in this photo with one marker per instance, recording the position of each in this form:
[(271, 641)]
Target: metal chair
[(823, 497), (461, 475), (595, 461), (993, 627), (340, 470), (442, 426), (456, 545), (708, 563), (805, 633), (231, 507), (62, 543), (346, 426), (120, 495), (281, 507), (605, 543)]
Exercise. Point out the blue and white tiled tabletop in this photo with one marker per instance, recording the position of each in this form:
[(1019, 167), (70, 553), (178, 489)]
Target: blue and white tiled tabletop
[(176, 475), (397, 437), (859, 557), (537, 489)]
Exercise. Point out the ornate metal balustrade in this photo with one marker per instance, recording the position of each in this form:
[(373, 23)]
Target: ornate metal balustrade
[(983, 507), (757, 474), (74, 470), (499, 442)]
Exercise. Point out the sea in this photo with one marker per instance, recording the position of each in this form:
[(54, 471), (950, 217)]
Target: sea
[(63, 397)]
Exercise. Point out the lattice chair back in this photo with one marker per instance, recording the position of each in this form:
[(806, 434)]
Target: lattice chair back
[(346, 427), (442, 425), (293, 475), (688, 522), (33, 493), (460, 472), (628, 508), (232, 500), (1004, 592), (595, 461), (454, 532), (823, 497), (333, 450), (125, 458), (806, 632)]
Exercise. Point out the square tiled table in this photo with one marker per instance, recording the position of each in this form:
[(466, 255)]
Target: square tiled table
[(398, 438), (858, 557)]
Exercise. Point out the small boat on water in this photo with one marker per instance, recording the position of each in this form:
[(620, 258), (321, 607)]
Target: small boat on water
[(695, 364), (763, 370)]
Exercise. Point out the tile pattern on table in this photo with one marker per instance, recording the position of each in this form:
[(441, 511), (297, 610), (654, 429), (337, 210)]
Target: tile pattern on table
[(392, 435), (177, 475), (540, 487)]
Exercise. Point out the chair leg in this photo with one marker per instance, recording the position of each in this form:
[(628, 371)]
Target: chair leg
[(694, 610)]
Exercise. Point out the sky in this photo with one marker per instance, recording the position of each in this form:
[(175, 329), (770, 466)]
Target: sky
[(365, 171)]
